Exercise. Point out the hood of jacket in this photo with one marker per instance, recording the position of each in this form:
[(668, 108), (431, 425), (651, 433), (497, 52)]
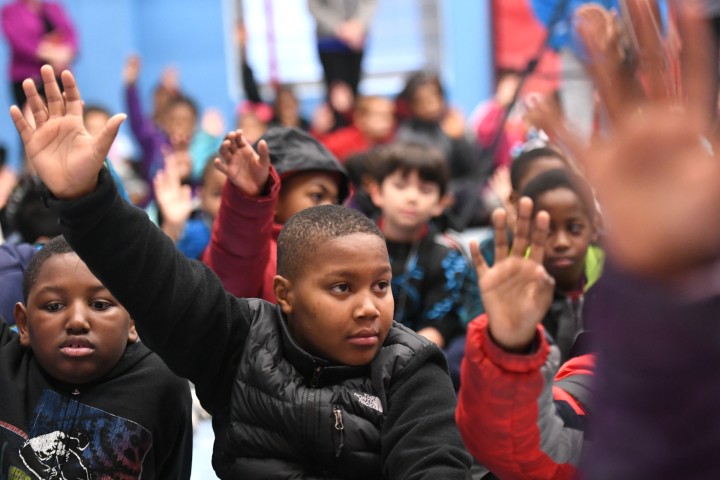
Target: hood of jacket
[(294, 151)]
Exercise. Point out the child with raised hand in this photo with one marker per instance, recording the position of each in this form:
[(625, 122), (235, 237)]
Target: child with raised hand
[(286, 172), (571, 256), (322, 385), (513, 418), (81, 396), (431, 275), (528, 165), (185, 219)]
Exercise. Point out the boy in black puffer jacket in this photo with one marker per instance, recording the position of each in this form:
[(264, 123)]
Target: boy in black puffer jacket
[(323, 385)]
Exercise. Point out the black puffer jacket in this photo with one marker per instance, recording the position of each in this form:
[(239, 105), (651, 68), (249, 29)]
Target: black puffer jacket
[(272, 403)]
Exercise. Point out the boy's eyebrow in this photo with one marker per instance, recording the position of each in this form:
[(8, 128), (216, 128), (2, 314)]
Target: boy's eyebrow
[(57, 288), (355, 272)]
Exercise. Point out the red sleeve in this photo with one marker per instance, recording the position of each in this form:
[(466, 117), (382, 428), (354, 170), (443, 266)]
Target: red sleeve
[(507, 414), (242, 251)]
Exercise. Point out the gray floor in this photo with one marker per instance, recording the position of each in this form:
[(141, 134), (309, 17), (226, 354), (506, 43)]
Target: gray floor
[(202, 452)]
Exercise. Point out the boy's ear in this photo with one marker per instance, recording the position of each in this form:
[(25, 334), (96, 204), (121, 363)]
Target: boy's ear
[(367, 181), (132, 332), (283, 293), (20, 314), (373, 189), (446, 201), (597, 225)]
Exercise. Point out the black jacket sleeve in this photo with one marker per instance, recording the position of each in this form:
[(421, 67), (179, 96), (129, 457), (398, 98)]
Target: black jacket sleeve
[(179, 306), (419, 442)]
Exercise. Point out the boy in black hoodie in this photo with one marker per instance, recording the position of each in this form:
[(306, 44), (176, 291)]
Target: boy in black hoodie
[(324, 385), (80, 396)]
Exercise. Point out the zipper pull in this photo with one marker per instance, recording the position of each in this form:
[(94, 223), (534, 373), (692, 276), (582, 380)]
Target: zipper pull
[(316, 377), (339, 427)]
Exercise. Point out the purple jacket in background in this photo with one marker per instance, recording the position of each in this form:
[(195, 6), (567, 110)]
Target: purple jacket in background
[(150, 138), (14, 259), (657, 406), (24, 30)]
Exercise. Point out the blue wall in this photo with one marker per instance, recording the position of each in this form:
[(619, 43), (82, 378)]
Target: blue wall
[(194, 36)]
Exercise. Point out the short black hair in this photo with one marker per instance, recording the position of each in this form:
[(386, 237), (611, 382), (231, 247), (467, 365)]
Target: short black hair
[(56, 246), (559, 178), (410, 157), (306, 231), (524, 161), (32, 219)]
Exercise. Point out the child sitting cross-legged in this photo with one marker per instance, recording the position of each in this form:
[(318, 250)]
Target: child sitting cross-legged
[(322, 385), (81, 396)]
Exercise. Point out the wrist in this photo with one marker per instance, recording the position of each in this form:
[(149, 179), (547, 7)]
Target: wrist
[(516, 344)]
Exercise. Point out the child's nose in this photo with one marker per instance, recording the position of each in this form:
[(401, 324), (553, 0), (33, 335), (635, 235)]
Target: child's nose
[(562, 241), (366, 307), (77, 320)]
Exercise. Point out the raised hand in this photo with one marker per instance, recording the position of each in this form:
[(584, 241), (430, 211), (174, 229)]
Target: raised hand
[(66, 157), (656, 172), (246, 169), (131, 70), (516, 290), (173, 198)]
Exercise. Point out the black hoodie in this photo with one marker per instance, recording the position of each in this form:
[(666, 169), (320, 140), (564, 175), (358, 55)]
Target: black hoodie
[(134, 422)]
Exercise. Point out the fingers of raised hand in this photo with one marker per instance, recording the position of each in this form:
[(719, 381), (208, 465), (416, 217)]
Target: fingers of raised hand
[(55, 102), (499, 220), (521, 240), (264, 153), (71, 96), (22, 125), (540, 230), (35, 102), (481, 266)]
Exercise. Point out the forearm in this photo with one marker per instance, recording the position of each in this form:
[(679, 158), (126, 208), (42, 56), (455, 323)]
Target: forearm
[(241, 238), (506, 413), (195, 334), (421, 442)]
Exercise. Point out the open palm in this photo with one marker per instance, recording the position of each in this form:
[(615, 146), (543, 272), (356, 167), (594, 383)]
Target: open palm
[(66, 157), (516, 290), (246, 169)]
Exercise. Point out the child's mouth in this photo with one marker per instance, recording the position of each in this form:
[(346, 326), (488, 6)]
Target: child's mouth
[(364, 339), (77, 348)]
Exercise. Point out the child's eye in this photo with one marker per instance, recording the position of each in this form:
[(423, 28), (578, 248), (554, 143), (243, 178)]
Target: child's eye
[(383, 285), (399, 185), (100, 305), (576, 228), (340, 288), (427, 189), (53, 307), (316, 197)]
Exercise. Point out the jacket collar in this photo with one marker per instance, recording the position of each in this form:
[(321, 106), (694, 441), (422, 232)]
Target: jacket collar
[(316, 371)]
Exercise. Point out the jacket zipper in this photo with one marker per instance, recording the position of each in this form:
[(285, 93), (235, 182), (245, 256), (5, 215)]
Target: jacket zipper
[(337, 413), (314, 382)]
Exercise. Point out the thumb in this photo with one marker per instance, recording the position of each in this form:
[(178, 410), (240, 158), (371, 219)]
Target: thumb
[(264, 153), (104, 140)]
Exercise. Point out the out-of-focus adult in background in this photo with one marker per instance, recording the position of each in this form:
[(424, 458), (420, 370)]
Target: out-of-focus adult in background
[(342, 27), (38, 32)]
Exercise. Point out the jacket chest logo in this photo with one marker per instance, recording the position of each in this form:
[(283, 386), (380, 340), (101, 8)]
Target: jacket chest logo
[(369, 401)]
